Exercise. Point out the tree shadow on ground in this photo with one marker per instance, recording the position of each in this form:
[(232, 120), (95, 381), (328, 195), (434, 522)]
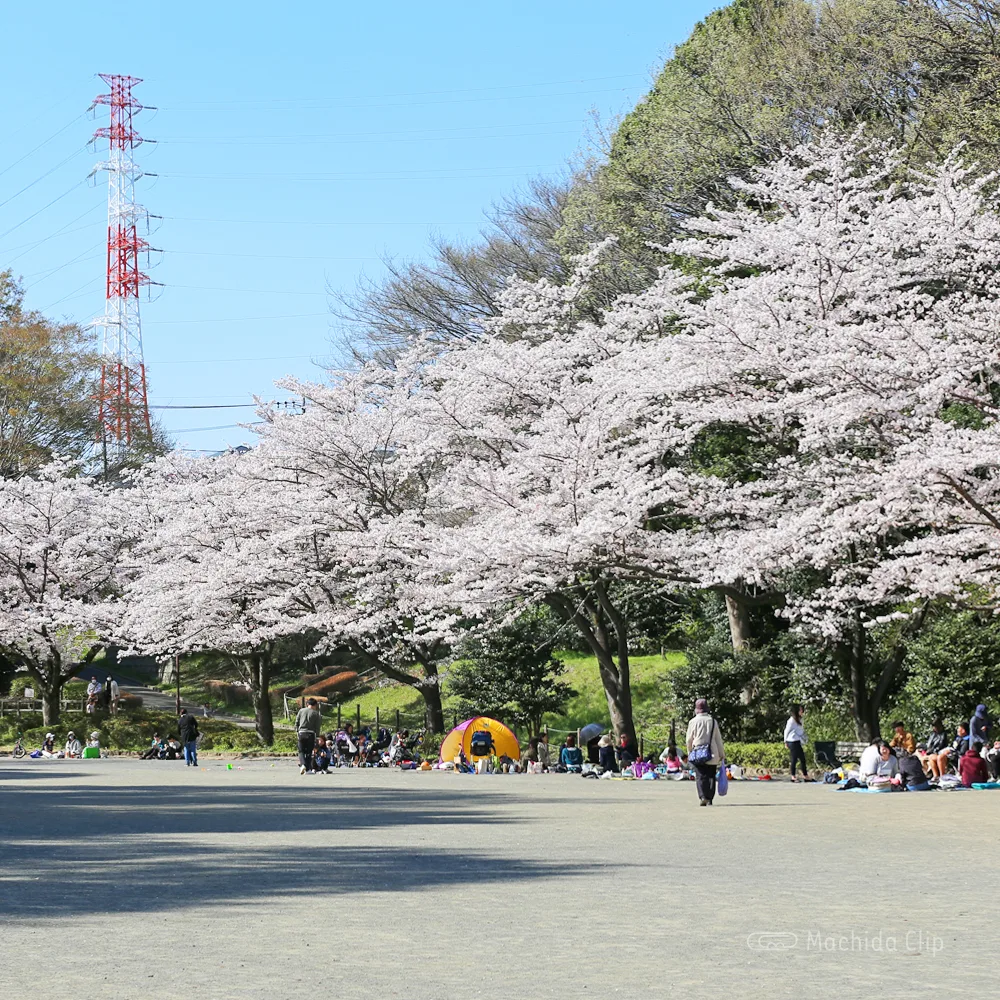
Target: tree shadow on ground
[(145, 849)]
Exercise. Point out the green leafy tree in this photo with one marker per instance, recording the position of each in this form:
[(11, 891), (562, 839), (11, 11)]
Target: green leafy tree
[(511, 674), (48, 386)]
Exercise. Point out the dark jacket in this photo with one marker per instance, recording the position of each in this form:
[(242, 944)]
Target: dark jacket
[(187, 724), (936, 742), (911, 771)]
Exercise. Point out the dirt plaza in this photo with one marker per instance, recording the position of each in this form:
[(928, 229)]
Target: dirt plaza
[(129, 879)]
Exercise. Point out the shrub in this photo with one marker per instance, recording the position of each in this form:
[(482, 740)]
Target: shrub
[(772, 756), (331, 685)]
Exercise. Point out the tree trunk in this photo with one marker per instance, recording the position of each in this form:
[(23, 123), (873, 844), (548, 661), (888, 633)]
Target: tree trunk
[(50, 691), (605, 630), (740, 627), (260, 696), (433, 710)]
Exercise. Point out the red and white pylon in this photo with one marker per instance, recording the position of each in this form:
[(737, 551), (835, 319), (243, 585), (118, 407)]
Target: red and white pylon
[(124, 409)]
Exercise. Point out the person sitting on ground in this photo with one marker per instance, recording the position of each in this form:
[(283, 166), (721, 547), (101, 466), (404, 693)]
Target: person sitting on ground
[(627, 751), (972, 767), (606, 759), (979, 726), (901, 739), (154, 749), (73, 747), (530, 755), (911, 771), (321, 755), (49, 745), (869, 759), (937, 741), (672, 760), (571, 756), (94, 743), (993, 760), (953, 754), (544, 751), (887, 765), (346, 745), (173, 749)]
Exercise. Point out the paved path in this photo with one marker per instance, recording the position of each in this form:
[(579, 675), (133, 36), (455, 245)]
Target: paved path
[(120, 879), (160, 701)]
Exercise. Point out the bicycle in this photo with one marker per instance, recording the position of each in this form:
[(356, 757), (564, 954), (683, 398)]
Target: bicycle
[(19, 750)]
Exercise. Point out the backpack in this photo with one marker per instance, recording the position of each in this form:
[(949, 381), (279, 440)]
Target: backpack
[(481, 744)]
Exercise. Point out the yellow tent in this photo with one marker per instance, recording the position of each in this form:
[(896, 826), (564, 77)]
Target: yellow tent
[(462, 736)]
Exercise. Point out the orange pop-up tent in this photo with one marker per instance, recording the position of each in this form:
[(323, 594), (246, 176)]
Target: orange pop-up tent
[(463, 736)]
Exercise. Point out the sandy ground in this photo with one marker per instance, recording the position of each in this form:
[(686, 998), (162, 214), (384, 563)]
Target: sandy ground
[(124, 879)]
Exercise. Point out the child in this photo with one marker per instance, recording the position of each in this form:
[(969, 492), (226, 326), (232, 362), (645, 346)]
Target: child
[(672, 760), (49, 745), (321, 755)]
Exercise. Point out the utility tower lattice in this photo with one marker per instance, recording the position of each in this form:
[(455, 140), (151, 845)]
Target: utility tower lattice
[(124, 409)]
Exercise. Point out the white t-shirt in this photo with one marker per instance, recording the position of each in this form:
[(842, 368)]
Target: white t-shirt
[(794, 732), (869, 761)]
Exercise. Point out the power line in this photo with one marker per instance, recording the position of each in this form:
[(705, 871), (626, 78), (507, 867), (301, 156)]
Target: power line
[(42, 209), (289, 104), (265, 291), (45, 142), (310, 222), (353, 135), (229, 361), (382, 174), (202, 406), (264, 256), (220, 427), (52, 170), (284, 140), (62, 231), (236, 319)]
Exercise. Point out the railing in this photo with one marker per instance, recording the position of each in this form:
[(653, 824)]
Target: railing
[(16, 706)]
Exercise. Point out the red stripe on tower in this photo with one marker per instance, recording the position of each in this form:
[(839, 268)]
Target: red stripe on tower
[(124, 409)]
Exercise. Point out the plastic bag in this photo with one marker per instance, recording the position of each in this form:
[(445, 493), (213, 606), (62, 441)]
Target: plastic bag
[(723, 781)]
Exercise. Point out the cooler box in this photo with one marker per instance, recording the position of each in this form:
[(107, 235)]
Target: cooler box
[(90, 753)]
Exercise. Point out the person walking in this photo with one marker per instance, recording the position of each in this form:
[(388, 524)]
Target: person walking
[(795, 739), (187, 724), (705, 751), (307, 727)]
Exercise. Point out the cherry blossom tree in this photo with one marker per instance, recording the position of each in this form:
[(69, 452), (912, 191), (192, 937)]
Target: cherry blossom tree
[(208, 571), (61, 542), (355, 508)]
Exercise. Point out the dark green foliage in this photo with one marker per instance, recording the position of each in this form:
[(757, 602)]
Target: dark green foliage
[(746, 692), (954, 665), (510, 674)]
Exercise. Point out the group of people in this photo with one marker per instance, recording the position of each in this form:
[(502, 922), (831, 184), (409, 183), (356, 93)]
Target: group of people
[(106, 696), (72, 748), (900, 762), (319, 752), (183, 746)]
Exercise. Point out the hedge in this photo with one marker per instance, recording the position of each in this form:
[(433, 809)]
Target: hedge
[(772, 756)]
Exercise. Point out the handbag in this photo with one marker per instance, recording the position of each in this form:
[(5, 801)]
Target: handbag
[(723, 782), (701, 754)]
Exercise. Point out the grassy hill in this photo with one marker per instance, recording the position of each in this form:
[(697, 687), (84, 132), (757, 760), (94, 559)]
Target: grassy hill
[(649, 693)]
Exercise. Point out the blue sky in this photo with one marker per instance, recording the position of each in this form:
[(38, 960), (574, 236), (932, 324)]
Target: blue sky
[(296, 146)]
